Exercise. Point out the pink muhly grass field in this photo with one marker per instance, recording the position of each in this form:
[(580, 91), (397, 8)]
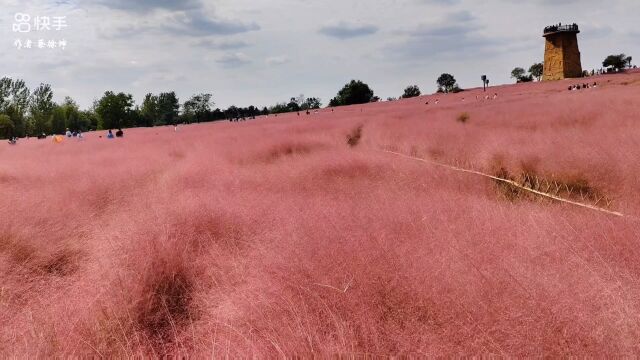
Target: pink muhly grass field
[(297, 237)]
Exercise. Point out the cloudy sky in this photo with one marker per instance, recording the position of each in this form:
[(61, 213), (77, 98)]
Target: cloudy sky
[(266, 51)]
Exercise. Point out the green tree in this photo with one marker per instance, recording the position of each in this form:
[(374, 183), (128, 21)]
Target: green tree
[(355, 92), (14, 102), (168, 107), (114, 109), (518, 73), (6, 127), (617, 62), (188, 115), (89, 120), (278, 108), (411, 91), (40, 108), (71, 114), (19, 105), (150, 110), (537, 70), (311, 103), (135, 118), (293, 105), (58, 119), (526, 78), (199, 106), (446, 83), (5, 92)]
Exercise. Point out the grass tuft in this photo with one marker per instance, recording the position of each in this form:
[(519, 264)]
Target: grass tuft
[(463, 117), (354, 137), (166, 307)]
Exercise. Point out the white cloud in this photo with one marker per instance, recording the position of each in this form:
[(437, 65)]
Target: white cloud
[(234, 59), (277, 60), (344, 30)]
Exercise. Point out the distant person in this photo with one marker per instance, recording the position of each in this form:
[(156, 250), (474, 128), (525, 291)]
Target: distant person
[(595, 84), (110, 134), (68, 133), (79, 135), (119, 133), (42, 136), (13, 140)]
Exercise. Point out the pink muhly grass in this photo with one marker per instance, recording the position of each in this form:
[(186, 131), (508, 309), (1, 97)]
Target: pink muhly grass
[(277, 238)]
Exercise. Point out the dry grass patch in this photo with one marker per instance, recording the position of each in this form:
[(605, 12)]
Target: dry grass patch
[(463, 117), (60, 261), (6, 179), (569, 187), (354, 137), (287, 150)]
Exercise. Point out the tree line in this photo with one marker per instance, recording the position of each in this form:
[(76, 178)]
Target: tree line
[(26, 113)]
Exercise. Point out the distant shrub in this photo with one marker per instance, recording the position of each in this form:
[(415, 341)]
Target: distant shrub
[(411, 91), (446, 83), (463, 117), (355, 92)]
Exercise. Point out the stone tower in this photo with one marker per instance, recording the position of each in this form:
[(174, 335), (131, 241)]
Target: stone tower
[(562, 55)]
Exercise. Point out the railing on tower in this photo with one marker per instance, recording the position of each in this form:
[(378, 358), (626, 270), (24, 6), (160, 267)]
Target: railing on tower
[(561, 28)]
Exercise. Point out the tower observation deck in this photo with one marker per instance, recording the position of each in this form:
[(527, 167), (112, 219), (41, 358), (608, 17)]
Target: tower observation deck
[(562, 53)]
